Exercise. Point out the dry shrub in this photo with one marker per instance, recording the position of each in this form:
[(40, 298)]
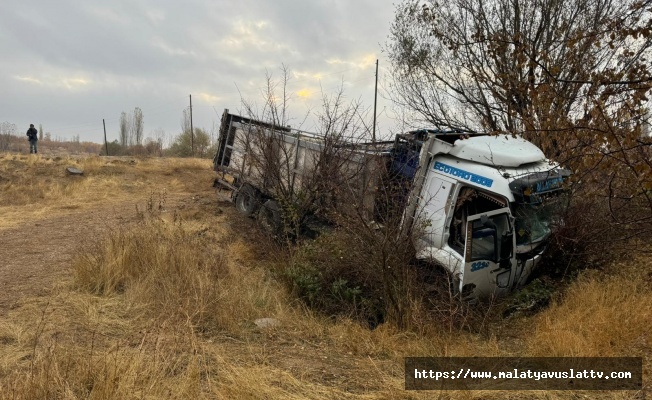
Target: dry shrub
[(176, 270), (588, 237), (358, 275), (610, 211), (438, 309), (327, 275)]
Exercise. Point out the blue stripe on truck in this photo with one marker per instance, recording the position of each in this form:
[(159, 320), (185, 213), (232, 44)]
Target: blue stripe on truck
[(460, 173)]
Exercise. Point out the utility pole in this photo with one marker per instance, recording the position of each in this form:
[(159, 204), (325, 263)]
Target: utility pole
[(373, 132), (106, 144), (192, 132)]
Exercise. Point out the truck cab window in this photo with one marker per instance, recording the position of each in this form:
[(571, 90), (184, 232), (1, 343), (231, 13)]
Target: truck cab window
[(486, 237), (470, 201)]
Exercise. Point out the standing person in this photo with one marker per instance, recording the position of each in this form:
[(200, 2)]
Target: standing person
[(32, 136)]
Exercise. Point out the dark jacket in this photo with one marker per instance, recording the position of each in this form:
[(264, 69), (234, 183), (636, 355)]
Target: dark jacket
[(32, 134)]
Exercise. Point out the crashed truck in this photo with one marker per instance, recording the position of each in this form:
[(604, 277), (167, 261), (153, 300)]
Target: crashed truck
[(487, 204)]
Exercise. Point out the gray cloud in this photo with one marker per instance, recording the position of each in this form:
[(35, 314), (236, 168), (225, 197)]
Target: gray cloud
[(68, 64)]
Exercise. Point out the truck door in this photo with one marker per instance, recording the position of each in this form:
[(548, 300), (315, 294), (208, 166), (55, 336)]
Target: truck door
[(489, 257), (434, 199)]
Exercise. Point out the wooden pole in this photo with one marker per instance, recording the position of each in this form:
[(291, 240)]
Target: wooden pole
[(192, 132), (106, 144), (373, 134)]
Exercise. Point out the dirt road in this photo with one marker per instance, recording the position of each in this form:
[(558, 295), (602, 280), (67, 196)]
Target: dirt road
[(38, 254)]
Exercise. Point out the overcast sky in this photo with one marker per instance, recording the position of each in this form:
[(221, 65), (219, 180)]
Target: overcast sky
[(67, 64)]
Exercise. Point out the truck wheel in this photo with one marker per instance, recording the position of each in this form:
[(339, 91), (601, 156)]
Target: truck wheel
[(269, 217), (247, 200)]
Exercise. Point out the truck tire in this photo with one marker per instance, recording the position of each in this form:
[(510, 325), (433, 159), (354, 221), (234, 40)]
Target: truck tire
[(247, 200), (269, 217)]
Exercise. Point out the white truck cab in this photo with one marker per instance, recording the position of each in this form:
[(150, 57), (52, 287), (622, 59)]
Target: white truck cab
[(484, 202)]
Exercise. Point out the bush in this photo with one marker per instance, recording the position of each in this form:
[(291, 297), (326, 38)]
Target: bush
[(183, 145), (344, 274), (587, 237), (327, 274)]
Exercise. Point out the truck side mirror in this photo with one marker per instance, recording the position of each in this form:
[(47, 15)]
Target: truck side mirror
[(506, 243)]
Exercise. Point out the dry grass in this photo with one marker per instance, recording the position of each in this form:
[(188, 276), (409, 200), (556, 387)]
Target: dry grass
[(601, 316), (165, 308), (41, 183), (175, 268)]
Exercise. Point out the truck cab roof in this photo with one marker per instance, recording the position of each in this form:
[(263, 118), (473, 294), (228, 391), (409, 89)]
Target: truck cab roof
[(499, 151)]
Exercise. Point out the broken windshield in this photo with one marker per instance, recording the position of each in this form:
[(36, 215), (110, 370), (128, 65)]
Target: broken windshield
[(534, 222), (540, 199)]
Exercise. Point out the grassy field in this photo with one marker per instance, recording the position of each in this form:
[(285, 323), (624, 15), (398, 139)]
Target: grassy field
[(164, 305)]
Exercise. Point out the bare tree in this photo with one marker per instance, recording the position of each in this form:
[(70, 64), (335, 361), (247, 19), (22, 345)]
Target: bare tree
[(186, 128), (572, 76), (124, 129), (7, 130), (185, 121), (513, 65), (159, 137), (138, 125), (326, 159)]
